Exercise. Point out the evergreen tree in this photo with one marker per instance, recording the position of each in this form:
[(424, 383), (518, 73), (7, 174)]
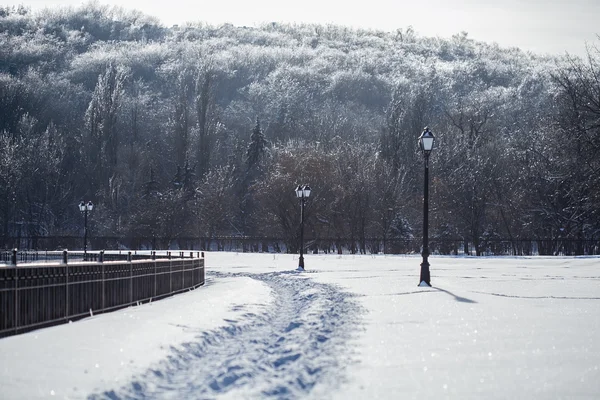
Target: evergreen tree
[(257, 148), (254, 155)]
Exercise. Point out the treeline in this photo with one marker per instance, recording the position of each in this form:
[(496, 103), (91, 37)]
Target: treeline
[(206, 131)]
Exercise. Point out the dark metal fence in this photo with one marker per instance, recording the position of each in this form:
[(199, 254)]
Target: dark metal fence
[(39, 295), (485, 247), (16, 256), (495, 247), (490, 247)]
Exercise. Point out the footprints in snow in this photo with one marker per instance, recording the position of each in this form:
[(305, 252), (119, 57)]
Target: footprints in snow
[(299, 341)]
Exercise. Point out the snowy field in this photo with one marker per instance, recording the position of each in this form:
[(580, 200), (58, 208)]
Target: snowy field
[(350, 327)]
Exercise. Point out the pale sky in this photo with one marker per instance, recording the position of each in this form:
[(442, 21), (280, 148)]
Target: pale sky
[(550, 26)]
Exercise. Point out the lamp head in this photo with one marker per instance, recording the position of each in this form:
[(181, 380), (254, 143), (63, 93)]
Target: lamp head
[(426, 141), (306, 191)]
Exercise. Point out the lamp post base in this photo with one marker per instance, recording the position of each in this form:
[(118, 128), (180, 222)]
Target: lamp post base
[(425, 278), (301, 262)]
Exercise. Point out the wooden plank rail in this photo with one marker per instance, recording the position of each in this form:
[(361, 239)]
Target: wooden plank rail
[(39, 295)]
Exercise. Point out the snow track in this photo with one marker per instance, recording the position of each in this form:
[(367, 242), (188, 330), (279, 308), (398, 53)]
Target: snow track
[(297, 342)]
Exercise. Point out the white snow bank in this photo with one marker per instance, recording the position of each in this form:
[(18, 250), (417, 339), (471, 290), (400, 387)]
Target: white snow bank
[(107, 350)]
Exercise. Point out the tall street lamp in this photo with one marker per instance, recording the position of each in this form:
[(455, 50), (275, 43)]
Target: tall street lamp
[(302, 192), (85, 208), (426, 141)]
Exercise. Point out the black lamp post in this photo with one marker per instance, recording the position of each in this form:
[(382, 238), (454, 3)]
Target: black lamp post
[(426, 141), (85, 208), (302, 192)]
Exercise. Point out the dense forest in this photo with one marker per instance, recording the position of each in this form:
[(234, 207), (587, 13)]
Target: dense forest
[(205, 131)]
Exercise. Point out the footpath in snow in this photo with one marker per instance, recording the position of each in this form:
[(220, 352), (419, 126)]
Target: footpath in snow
[(281, 351)]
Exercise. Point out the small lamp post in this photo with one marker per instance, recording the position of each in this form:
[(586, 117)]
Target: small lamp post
[(426, 141), (302, 192), (85, 208)]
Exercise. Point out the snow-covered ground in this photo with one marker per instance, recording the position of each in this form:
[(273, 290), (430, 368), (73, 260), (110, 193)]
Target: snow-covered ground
[(350, 327)]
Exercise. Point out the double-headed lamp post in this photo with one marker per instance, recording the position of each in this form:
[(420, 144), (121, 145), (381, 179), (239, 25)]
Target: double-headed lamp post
[(85, 208), (426, 141), (302, 192)]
